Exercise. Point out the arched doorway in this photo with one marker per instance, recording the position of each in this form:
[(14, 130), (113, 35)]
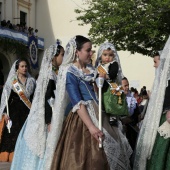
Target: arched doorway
[(4, 65)]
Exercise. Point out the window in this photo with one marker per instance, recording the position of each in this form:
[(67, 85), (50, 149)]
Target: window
[(23, 17)]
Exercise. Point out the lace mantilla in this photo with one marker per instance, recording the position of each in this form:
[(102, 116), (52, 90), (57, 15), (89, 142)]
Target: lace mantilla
[(153, 114), (77, 106), (57, 117), (79, 73), (105, 46), (117, 154), (61, 102), (36, 131), (69, 55)]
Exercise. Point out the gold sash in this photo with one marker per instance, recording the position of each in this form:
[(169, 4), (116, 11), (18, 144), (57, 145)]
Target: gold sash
[(20, 93), (101, 69)]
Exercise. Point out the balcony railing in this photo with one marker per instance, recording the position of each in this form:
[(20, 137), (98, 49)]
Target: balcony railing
[(19, 36)]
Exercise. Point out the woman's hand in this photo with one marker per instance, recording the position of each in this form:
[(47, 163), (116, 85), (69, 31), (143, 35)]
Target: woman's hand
[(96, 133), (102, 75), (168, 116), (6, 118)]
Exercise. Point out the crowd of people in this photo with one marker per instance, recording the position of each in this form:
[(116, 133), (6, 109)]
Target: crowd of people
[(22, 27), (54, 122)]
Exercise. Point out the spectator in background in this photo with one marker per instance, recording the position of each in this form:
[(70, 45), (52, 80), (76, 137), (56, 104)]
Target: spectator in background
[(135, 93), (143, 89), (19, 27), (3, 23), (130, 122), (156, 59)]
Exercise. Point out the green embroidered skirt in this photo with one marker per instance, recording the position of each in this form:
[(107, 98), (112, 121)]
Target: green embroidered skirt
[(160, 158)]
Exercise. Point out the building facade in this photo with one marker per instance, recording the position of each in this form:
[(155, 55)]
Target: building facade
[(17, 18)]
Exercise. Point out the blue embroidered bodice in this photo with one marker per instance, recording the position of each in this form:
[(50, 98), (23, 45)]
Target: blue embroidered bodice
[(79, 85)]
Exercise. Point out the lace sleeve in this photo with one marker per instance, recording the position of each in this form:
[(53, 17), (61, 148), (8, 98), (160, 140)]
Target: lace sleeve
[(77, 106), (164, 130)]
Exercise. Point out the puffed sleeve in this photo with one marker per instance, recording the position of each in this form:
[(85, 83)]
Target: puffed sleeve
[(73, 90), (49, 94), (113, 70)]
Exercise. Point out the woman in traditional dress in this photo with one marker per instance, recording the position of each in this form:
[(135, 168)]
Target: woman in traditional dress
[(19, 89), (153, 146), (31, 144), (78, 145)]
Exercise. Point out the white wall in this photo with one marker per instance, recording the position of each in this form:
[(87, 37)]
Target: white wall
[(138, 69), (57, 19)]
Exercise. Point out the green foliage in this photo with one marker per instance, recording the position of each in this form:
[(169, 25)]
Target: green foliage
[(141, 26)]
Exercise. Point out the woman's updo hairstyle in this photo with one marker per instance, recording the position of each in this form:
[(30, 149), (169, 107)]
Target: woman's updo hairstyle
[(80, 40), (59, 47), (19, 61)]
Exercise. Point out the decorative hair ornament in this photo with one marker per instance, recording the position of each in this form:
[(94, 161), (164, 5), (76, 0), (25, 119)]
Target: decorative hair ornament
[(58, 42)]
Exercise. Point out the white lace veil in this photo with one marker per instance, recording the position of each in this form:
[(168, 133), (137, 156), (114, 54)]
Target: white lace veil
[(60, 104), (103, 47), (153, 114), (7, 89), (8, 86), (36, 129)]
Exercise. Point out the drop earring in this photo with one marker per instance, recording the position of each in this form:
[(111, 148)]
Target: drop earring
[(77, 59)]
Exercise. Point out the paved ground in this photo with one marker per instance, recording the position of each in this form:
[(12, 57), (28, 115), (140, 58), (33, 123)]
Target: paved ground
[(5, 166)]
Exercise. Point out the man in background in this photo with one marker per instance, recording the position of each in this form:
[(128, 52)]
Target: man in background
[(130, 122)]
